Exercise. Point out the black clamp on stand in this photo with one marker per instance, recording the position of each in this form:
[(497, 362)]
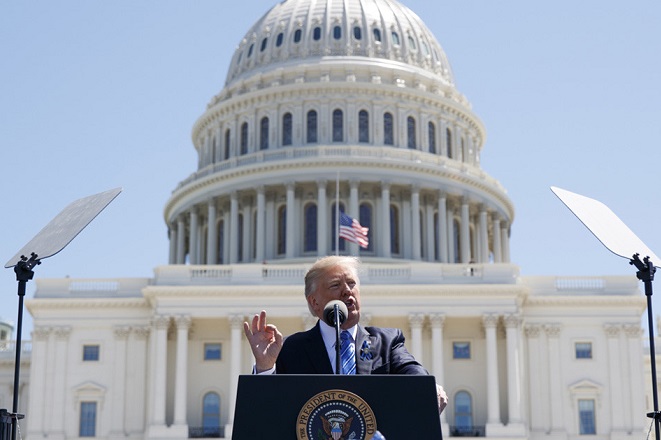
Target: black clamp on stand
[(54, 237)]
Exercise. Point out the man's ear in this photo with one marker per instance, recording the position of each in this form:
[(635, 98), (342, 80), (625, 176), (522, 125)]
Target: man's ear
[(312, 301)]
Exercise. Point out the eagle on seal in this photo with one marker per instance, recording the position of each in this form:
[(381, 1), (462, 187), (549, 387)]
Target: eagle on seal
[(335, 429)]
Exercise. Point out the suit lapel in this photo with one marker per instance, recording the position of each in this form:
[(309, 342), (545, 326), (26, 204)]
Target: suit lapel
[(316, 351), (364, 354)]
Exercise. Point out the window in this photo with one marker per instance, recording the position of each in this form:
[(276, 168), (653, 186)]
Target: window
[(586, 417), (425, 48), (87, 426), (463, 413), (363, 127), (297, 35), (221, 242), (448, 141), (244, 138), (310, 232), (394, 229), (279, 39), (212, 351), (264, 133), (412, 43), (211, 415), (395, 38), (227, 144), (316, 34), (388, 135), (337, 32), (91, 352), (3, 335), (286, 129), (312, 127), (252, 46), (366, 222), (357, 33), (377, 34), (431, 134), (282, 230), (240, 238), (264, 43), (338, 126), (583, 350), (461, 350), (410, 132)]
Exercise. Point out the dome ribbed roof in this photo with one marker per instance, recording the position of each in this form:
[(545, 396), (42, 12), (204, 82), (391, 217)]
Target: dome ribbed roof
[(295, 30)]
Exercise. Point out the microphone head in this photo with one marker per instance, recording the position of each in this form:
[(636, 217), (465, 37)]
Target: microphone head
[(329, 312)]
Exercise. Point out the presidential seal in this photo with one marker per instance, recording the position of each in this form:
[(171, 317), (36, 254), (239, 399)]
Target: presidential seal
[(335, 415)]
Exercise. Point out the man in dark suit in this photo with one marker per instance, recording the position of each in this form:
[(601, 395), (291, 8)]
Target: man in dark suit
[(377, 350)]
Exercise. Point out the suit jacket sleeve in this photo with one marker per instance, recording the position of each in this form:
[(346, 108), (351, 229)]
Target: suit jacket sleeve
[(385, 347)]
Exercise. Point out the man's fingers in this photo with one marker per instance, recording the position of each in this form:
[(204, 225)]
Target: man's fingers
[(246, 330), (262, 320)]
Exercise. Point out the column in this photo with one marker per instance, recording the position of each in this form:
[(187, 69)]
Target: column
[(505, 243), (415, 219), (291, 221), (442, 226), (555, 375), (633, 334), (465, 232), (437, 321), (236, 324), (452, 257), (260, 234), (183, 323), (193, 255), (617, 415), (514, 385), (172, 258), (416, 320), (497, 251), (353, 211), (136, 381), (38, 370), (322, 219), (181, 241), (538, 407), (483, 237), (233, 228), (247, 220), (59, 371), (430, 254), (212, 233), (493, 395), (385, 218), (160, 324), (118, 428)]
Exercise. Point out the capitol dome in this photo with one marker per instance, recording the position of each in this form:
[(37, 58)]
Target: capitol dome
[(345, 105)]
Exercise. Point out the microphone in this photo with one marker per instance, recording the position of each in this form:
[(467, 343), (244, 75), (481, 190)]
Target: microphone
[(329, 312)]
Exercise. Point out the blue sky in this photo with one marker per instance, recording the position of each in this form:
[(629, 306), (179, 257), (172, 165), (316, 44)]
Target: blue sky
[(98, 95)]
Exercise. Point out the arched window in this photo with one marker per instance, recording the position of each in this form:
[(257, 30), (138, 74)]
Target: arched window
[(456, 228), (410, 133), (334, 231), (448, 141), (213, 149), (279, 39), (264, 43), (312, 127), (337, 32), (436, 255), (226, 155), (365, 220), (463, 413), (412, 44), (240, 238), (316, 34), (244, 138), (264, 133), (431, 135), (377, 34), (394, 229), (221, 242), (310, 231), (282, 230), (287, 129), (211, 414), (252, 46), (395, 39), (363, 127), (357, 33), (388, 134), (297, 35), (338, 126)]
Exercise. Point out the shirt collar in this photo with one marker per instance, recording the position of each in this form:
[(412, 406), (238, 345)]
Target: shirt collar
[(328, 333)]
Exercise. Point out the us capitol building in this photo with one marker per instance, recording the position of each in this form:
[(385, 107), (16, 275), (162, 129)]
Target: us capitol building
[(349, 102)]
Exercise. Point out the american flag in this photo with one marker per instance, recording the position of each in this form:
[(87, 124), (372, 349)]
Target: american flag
[(351, 230)]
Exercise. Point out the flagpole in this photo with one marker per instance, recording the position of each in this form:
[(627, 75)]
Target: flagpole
[(337, 214)]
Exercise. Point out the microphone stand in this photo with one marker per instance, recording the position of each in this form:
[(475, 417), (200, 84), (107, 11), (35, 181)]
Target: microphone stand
[(337, 339), (646, 274)]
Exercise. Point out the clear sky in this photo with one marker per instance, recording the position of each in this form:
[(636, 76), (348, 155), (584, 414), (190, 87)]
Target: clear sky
[(98, 95)]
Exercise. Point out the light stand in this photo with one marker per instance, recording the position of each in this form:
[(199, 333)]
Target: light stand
[(620, 240), (54, 237)]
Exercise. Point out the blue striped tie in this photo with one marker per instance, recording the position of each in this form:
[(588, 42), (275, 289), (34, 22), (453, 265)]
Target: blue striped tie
[(347, 354)]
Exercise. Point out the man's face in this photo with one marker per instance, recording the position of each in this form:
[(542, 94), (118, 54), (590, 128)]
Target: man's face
[(337, 283)]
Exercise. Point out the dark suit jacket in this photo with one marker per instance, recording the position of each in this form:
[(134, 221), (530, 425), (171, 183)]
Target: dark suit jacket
[(378, 351)]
